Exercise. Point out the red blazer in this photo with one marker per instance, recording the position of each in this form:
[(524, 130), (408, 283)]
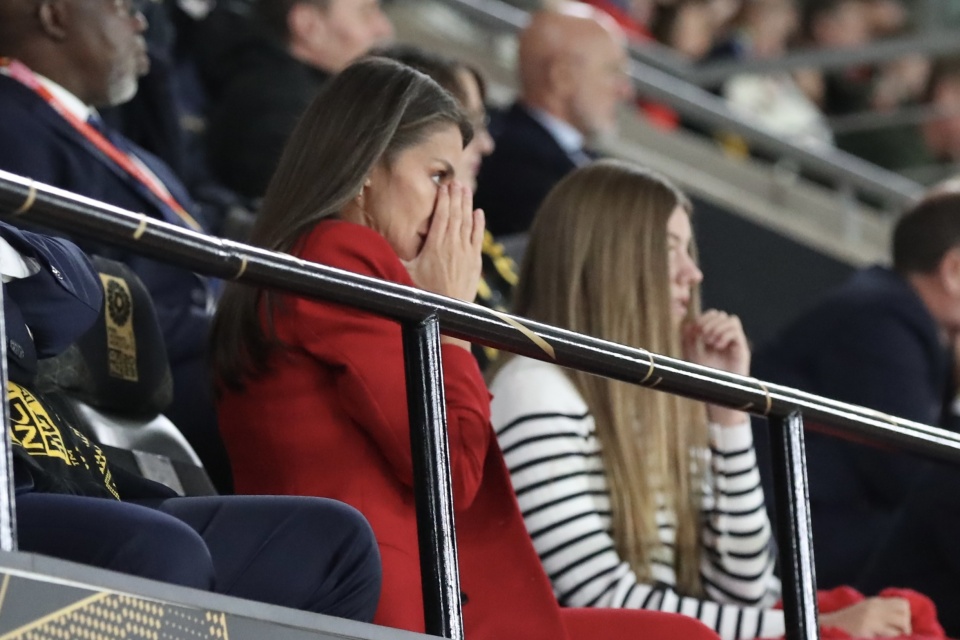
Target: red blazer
[(330, 419)]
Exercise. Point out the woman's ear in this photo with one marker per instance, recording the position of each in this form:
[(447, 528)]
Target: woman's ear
[(303, 21), (54, 18)]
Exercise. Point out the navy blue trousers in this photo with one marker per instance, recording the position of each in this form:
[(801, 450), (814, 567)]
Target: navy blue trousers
[(306, 553)]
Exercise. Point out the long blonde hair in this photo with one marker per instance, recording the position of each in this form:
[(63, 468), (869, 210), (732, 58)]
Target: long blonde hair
[(597, 264)]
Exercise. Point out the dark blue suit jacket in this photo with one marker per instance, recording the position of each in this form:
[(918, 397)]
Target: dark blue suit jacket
[(870, 342), (517, 176), (37, 143)]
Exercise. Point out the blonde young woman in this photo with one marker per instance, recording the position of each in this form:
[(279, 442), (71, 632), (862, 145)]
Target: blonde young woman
[(635, 498)]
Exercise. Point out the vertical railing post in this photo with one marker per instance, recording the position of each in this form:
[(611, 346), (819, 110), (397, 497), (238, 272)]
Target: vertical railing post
[(793, 519), (8, 512), (433, 491)]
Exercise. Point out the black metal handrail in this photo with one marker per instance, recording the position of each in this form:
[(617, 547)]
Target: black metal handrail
[(422, 316)]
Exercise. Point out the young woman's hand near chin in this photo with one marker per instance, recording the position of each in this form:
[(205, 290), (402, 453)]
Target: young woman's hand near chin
[(716, 339), (450, 262)]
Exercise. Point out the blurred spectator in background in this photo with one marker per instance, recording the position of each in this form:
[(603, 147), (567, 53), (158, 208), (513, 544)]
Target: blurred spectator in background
[(572, 79), (864, 89), (301, 43), (724, 14), (633, 16), (836, 24), (686, 26), (941, 130), (885, 17), (763, 29), (880, 340)]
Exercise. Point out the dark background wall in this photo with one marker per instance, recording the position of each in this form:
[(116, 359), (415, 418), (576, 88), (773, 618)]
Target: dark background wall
[(761, 276)]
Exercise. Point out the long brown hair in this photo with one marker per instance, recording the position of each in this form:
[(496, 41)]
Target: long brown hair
[(368, 113), (597, 264)]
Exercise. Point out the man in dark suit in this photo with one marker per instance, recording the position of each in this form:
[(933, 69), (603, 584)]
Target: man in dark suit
[(72, 503), (62, 60), (277, 71), (572, 77), (882, 340)]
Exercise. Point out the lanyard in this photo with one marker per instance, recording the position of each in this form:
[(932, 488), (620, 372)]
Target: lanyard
[(21, 73)]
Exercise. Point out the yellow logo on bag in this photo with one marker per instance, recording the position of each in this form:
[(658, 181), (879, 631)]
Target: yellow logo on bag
[(121, 341), (32, 428)]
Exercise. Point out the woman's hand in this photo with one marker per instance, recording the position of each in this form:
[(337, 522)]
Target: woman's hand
[(872, 618), (450, 262), (716, 339)]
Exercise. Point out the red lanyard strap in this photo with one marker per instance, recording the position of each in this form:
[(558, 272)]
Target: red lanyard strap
[(21, 73)]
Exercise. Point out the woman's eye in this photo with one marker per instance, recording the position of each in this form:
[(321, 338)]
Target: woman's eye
[(439, 178)]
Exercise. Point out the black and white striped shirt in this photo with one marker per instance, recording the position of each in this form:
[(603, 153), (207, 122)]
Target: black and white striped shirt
[(548, 440)]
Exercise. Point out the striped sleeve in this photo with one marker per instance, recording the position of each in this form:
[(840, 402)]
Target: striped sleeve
[(738, 560), (546, 435)]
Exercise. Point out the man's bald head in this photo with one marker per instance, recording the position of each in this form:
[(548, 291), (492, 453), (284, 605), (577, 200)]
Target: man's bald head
[(93, 48), (568, 53)]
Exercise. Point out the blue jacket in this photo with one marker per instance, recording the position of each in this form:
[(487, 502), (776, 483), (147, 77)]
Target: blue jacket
[(37, 143), (525, 165), (870, 342)]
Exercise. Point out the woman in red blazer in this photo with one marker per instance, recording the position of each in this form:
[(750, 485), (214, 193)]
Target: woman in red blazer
[(312, 395)]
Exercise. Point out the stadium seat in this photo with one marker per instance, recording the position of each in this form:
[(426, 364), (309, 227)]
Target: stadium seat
[(115, 382)]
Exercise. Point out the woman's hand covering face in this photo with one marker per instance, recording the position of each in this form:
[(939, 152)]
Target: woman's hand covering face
[(449, 262)]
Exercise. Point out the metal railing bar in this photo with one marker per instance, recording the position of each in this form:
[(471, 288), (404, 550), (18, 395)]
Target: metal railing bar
[(8, 511), (430, 450), (936, 44), (226, 259), (904, 116), (791, 491), (825, 162)]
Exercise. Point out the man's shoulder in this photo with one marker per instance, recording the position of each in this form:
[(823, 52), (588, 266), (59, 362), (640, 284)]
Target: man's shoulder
[(20, 108), (516, 128), (875, 291), (874, 306), (523, 144)]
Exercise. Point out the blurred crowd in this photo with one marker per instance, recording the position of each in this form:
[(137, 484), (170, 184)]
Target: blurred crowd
[(900, 114)]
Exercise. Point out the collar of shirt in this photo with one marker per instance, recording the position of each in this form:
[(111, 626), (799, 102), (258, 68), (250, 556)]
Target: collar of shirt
[(70, 102), (566, 135)]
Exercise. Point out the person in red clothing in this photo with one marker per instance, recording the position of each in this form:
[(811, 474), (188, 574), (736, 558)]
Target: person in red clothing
[(312, 395)]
